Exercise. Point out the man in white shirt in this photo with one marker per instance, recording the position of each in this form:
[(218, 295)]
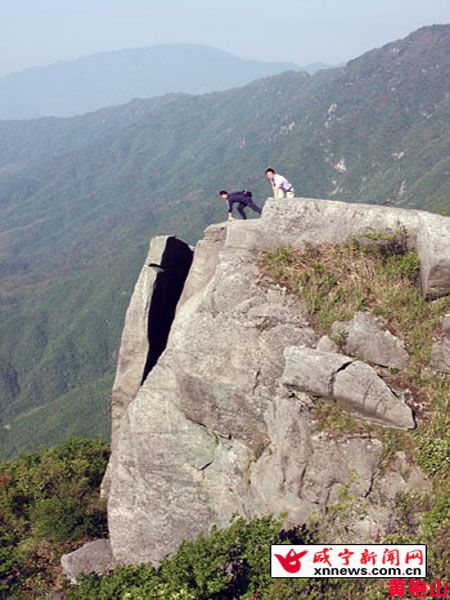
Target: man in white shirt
[(280, 185)]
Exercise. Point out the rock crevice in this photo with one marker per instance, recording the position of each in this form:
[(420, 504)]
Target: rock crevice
[(147, 325), (171, 274)]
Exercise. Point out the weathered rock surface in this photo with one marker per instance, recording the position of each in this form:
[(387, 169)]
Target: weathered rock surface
[(440, 352), (446, 327), (212, 430), (365, 338), (148, 319), (440, 356), (199, 419), (147, 324), (93, 557), (359, 389), (433, 248), (313, 371), (353, 384)]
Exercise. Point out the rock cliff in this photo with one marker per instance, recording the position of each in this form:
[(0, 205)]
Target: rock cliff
[(220, 420)]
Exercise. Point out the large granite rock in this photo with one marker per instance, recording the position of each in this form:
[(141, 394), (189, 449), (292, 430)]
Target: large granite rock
[(213, 430), (365, 338), (220, 420), (359, 389), (148, 319), (353, 384), (188, 440)]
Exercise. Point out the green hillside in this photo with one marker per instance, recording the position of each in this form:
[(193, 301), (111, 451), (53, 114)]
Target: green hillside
[(79, 199)]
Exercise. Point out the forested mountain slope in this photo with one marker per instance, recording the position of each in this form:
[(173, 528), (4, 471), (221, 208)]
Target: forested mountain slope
[(79, 199)]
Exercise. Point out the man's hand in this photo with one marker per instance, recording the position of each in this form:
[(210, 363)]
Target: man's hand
[(230, 218)]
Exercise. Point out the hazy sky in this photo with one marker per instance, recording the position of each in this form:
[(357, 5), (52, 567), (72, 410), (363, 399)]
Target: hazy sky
[(36, 32)]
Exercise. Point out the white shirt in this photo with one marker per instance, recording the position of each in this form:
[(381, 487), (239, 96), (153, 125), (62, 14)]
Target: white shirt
[(281, 182)]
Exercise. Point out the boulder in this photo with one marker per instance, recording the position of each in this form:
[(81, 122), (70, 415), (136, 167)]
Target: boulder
[(363, 393), (433, 248), (355, 385), (302, 220), (446, 327), (440, 356), (365, 338), (93, 557)]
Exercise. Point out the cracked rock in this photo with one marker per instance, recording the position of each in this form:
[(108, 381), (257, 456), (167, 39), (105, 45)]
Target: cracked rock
[(362, 392), (214, 394), (355, 385), (312, 371)]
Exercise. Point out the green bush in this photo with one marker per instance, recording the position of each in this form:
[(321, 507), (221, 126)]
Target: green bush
[(228, 563), (48, 500), (232, 563), (434, 453)]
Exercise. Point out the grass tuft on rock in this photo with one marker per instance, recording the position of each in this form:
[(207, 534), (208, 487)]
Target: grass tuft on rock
[(335, 281)]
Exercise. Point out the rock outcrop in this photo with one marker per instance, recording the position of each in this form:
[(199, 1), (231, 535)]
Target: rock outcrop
[(216, 427), (147, 325)]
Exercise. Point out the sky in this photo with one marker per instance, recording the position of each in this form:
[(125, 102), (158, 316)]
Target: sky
[(38, 32)]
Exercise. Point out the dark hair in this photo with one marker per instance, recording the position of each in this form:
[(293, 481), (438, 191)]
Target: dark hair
[(222, 192), (270, 170)]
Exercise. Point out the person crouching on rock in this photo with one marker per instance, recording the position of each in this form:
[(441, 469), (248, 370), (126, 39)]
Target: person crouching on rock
[(280, 185), (243, 199)]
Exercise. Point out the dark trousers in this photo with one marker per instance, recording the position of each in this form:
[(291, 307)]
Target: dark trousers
[(250, 203)]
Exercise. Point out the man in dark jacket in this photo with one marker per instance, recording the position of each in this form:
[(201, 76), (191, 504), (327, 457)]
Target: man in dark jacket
[(243, 199)]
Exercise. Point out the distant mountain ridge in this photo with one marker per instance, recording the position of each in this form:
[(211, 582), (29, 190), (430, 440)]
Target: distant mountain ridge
[(80, 197), (68, 88)]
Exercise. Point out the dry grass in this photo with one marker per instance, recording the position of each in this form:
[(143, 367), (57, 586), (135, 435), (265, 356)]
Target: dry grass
[(333, 282)]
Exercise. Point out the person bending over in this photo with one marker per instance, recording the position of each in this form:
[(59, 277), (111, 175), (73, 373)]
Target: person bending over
[(242, 199), (280, 185)]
